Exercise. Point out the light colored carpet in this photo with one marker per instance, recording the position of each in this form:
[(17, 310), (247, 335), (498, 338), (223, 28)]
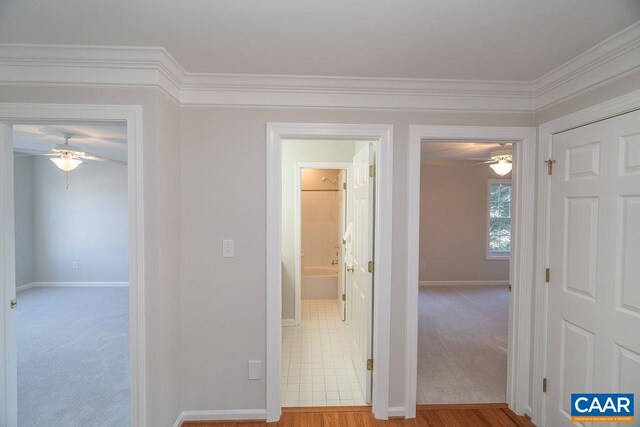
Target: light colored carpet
[(462, 344), (73, 357)]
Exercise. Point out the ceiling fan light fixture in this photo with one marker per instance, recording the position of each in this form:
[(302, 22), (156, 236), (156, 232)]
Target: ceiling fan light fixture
[(502, 168), (66, 162)]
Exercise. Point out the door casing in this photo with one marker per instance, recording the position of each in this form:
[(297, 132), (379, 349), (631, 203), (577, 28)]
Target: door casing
[(382, 135), (522, 253), (131, 115)]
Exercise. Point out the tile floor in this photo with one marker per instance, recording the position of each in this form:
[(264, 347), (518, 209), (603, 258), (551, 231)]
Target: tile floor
[(316, 359)]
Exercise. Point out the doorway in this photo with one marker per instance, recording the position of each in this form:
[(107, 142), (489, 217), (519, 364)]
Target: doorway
[(465, 247), (72, 314), (520, 298), (380, 138), (325, 356), (15, 115)]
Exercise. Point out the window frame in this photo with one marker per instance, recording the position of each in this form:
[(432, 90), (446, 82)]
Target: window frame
[(496, 256)]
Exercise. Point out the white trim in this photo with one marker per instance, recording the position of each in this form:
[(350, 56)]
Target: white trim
[(463, 283), (496, 256), (223, 415), (289, 322), (71, 285), (396, 412), (382, 134), (521, 251), (28, 64), (609, 60), (297, 220), (132, 116), (611, 108)]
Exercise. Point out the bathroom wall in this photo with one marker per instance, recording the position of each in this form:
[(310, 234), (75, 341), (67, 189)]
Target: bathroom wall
[(319, 214)]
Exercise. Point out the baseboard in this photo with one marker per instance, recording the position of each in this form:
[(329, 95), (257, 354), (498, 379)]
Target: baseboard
[(396, 412), (289, 322), (222, 415), (464, 283), (72, 285), (25, 286)]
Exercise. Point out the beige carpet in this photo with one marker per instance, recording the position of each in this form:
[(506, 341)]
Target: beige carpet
[(462, 344)]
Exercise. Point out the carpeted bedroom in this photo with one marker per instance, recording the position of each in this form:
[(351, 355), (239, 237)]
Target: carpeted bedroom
[(72, 275)]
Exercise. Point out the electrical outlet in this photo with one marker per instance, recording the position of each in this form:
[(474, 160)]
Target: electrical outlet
[(228, 248), (76, 265), (255, 369)]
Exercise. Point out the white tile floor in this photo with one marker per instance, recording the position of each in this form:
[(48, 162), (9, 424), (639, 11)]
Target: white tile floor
[(317, 369)]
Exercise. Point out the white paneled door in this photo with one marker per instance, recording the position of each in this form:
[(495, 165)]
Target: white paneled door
[(362, 280), (593, 337)]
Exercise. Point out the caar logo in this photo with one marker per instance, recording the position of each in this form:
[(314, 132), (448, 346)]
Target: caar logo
[(602, 407)]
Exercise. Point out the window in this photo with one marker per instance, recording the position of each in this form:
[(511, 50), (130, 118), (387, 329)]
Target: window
[(499, 224)]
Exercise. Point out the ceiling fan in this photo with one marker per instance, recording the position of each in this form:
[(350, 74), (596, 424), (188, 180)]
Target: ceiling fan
[(501, 161), (67, 157)]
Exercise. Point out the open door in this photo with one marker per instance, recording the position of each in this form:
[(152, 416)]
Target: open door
[(342, 220), (362, 267), (8, 361), (594, 299)]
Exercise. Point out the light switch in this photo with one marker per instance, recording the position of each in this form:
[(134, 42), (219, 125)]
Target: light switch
[(228, 248), (255, 369)]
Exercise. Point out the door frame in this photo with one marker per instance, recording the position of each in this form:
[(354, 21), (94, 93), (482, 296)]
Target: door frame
[(131, 115), (382, 135), (522, 253), (546, 131), (297, 206)]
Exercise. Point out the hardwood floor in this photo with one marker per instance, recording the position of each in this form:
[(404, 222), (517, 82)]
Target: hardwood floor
[(491, 415)]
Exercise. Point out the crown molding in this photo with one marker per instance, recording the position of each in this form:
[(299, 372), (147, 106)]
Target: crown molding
[(155, 67), (613, 58)]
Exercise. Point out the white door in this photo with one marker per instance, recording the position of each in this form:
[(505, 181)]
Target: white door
[(8, 363), (362, 280), (342, 212), (593, 331)]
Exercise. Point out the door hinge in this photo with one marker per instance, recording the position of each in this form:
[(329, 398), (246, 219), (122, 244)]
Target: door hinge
[(344, 185), (544, 385), (509, 287), (547, 275), (369, 364), (550, 163), (344, 297), (371, 266), (372, 171), (13, 303)]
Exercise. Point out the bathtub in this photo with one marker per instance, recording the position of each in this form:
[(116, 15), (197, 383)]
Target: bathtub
[(320, 282)]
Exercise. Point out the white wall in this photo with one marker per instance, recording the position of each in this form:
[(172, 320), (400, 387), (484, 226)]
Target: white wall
[(453, 222), (223, 196), (86, 223), (23, 196), (292, 153)]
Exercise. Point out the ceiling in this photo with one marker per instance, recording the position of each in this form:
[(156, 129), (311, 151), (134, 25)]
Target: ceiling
[(436, 150), (104, 139), (441, 39)]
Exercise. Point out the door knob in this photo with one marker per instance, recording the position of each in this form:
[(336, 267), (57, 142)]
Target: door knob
[(350, 268)]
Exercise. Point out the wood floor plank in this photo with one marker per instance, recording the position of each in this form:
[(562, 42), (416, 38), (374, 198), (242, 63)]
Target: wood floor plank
[(493, 415)]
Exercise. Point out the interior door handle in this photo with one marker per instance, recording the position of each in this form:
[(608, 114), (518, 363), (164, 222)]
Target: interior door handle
[(350, 269)]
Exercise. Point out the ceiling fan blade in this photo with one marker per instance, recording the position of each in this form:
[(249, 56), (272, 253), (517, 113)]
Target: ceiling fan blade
[(93, 157), (484, 163), (28, 152)]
